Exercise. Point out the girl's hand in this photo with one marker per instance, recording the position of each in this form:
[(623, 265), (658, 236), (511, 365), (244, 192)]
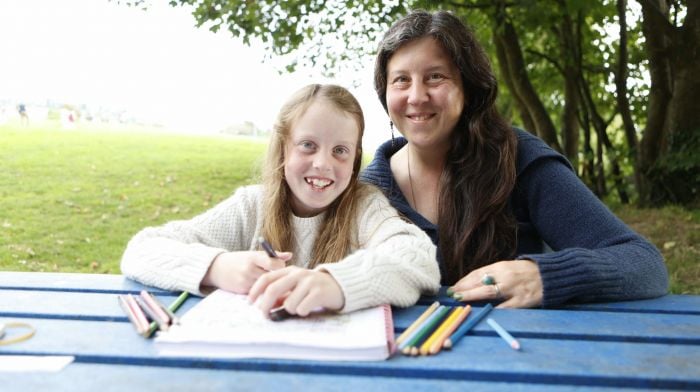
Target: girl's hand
[(302, 291), (516, 282), (237, 271)]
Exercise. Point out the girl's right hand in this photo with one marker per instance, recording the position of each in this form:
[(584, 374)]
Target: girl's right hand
[(237, 271)]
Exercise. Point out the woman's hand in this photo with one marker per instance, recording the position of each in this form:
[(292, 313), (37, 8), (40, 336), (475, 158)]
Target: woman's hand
[(516, 282), (299, 290), (237, 271)]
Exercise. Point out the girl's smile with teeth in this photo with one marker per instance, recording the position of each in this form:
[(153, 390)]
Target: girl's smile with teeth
[(318, 182)]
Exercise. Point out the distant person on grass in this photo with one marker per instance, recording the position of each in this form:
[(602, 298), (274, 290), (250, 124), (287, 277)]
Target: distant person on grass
[(347, 247), (23, 116)]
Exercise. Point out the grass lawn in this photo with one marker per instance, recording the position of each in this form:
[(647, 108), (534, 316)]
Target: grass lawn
[(71, 199)]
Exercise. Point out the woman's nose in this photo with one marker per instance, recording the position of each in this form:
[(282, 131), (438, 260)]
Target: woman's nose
[(417, 94)]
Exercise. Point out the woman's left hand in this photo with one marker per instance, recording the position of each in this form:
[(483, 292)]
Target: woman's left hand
[(302, 291), (515, 282)]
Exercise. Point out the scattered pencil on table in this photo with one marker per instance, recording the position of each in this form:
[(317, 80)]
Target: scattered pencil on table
[(466, 327), (504, 334), (438, 327), (416, 323), (146, 307)]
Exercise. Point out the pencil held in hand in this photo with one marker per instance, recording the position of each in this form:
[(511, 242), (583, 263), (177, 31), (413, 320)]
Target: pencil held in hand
[(267, 247)]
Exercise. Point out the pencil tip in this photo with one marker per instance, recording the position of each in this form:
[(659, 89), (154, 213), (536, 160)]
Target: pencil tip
[(515, 345)]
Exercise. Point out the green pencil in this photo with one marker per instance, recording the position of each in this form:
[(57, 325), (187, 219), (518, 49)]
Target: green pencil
[(174, 306)]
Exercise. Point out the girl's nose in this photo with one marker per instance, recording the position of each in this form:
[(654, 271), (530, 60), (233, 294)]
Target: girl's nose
[(322, 162)]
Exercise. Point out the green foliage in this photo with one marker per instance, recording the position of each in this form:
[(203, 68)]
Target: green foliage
[(70, 200)]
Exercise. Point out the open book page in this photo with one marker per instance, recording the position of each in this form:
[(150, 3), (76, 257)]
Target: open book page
[(225, 325)]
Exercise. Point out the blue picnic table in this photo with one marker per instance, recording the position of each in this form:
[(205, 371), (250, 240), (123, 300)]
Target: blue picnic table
[(647, 344)]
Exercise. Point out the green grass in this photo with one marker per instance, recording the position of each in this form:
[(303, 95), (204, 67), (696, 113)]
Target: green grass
[(70, 200)]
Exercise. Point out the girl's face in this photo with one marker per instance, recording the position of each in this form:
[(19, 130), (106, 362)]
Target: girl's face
[(424, 93), (320, 153)]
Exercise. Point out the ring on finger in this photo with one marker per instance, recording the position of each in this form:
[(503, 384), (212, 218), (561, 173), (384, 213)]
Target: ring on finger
[(488, 280), (498, 290)]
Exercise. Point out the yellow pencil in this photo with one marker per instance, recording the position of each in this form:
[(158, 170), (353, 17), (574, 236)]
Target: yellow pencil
[(438, 343), (418, 322), (425, 347)]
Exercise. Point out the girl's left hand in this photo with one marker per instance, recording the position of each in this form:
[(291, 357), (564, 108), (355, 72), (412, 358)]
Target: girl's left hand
[(303, 291), (516, 282)]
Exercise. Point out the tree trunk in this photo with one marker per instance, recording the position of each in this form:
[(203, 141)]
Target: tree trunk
[(528, 124), (623, 103), (505, 33), (670, 149)]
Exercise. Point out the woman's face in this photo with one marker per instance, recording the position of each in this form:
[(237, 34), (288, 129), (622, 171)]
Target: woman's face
[(424, 93), (320, 154)]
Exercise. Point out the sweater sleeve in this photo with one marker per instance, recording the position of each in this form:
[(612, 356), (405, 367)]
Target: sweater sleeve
[(595, 257), (395, 263), (177, 255)]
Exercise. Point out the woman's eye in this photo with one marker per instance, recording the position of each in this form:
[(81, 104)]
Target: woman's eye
[(435, 76), (400, 79)]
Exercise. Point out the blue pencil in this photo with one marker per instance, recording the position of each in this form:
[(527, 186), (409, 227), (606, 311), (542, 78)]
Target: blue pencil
[(504, 334), (466, 327)]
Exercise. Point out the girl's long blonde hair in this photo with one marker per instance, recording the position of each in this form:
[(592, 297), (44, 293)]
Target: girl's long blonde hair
[(337, 234)]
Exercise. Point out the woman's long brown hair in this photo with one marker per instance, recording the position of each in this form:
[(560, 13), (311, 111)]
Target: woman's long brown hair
[(476, 224)]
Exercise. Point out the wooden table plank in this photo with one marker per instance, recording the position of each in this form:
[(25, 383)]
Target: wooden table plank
[(107, 378), (476, 358), (523, 323), (50, 281)]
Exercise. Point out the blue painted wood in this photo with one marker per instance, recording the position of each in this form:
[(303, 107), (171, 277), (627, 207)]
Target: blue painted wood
[(107, 378), (674, 304), (49, 281), (651, 344), (555, 324), (72, 305), (581, 325), (476, 358)]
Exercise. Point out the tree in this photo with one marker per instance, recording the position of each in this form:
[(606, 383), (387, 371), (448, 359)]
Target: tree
[(561, 62), (670, 149)]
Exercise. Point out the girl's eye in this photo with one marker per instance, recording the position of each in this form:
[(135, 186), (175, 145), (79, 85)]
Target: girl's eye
[(306, 145), (341, 150)]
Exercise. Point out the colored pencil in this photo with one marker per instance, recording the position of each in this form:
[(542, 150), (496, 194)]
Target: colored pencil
[(416, 323), (138, 314), (126, 307), (173, 307), (419, 328), (438, 343), (466, 327), (268, 248), (163, 324), (504, 334), (154, 302), (425, 347), (411, 344), (279, 314)]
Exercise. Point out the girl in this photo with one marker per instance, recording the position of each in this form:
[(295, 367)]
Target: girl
[(349, 248)]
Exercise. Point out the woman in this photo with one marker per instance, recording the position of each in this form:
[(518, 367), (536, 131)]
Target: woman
[(493, 198)]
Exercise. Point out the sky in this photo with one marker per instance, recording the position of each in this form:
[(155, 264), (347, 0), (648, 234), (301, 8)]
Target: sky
[(155, 64)]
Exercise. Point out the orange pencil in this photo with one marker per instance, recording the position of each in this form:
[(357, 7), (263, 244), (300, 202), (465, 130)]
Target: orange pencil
[(440, 340), (425, 347), (416, 323)]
